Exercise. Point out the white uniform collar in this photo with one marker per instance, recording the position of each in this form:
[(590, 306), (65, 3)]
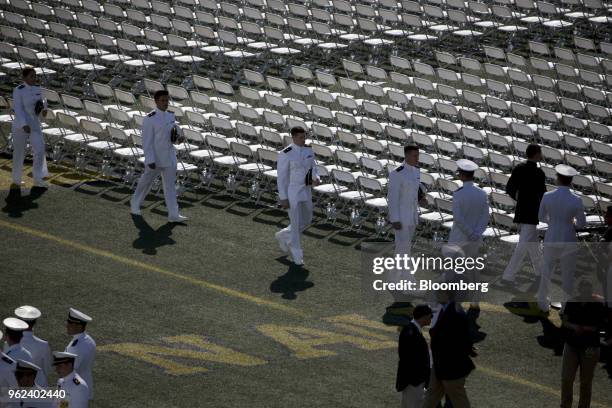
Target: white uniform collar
[(66, 378), (79, 336), (566, 188), (408, 166), (417, 325), (28, 334), (28, 86), (468, 183), (13, 347)]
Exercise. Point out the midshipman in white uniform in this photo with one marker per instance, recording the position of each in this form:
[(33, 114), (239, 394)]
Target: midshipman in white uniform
[(29, 104), (297, 174), (14, 333), (403, 199), (82, 345), (40, 350), (77, 390), (563, 211), (159, 133)]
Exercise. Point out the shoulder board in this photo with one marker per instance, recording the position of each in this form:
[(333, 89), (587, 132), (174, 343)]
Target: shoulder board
[(76, 381), (400, 168), (74, 343), (7, 360), (152, 114), (21, 86), (288, 149), (459, 189)]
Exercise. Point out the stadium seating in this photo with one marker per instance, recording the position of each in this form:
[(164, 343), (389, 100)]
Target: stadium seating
[(476, 80)]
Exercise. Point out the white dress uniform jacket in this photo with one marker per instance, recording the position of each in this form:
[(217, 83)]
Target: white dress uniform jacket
[(77, 391), (563, 212), (403, 202), (85, 348), (470, 214), (294, 162), (7, 373), (41, 355), (25, 98), (18, 352), (156, 142), (559, 209), (403, 195), (24, 101)]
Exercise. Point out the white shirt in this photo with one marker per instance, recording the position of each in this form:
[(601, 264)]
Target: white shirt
[(403, 195), (294, 163), (417, 325), (470, 214), (24, 101), (77, 391), (85, 348), (18, 352), (559, 209), (41, 355), (156, 142)]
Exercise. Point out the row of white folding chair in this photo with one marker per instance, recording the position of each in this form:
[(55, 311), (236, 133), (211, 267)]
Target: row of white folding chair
[(541, 59), (425, 86), (169, 42), (526, 84), (513, 75), (487, 104), (569, 57)]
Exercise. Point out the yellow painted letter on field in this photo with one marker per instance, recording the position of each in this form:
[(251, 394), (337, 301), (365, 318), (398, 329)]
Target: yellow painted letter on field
[(164, 357), (215, 352), (306, 342), (358, 324)]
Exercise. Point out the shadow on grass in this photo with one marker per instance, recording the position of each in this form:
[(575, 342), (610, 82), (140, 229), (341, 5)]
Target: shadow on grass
[(293, 281), (17, 203), (149, 239), (552, 337)]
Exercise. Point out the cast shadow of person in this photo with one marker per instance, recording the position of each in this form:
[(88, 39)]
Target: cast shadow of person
[(17, 203), (294, 280), (150, 239)]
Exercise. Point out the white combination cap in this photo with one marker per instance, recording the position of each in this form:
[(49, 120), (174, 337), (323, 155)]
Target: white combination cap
[(27, 313), (23, 365), (75, 316), (63, 357), (14, 324), (467, 165), (565, 170)]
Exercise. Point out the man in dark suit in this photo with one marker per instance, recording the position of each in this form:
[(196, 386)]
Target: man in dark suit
[(413, 370), (451, 347), (526, 186)]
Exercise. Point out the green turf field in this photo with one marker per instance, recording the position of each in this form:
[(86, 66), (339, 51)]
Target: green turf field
[(209, 314)]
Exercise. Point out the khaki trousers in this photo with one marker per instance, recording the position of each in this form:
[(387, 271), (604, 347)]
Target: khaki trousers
[(454, 390), (572, 359)]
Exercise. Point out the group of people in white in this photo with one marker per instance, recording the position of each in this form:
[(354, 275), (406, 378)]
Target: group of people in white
[(560, 209), (27, 361)]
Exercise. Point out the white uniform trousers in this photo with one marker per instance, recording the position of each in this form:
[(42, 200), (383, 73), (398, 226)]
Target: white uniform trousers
[(300, 217), (566, 254), (39, 169), (169, 182), (528, 243), (412, 397), (403, 239), (403, 246)]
